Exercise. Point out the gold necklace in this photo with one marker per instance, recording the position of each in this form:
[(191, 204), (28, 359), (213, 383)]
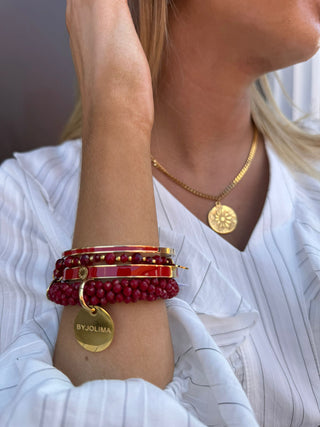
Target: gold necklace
[(221, 218)]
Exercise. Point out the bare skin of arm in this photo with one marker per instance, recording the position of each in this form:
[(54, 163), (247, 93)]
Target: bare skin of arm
[(116, 201)]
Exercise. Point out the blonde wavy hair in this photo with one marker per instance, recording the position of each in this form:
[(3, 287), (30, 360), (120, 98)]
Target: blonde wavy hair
[(297, 147)]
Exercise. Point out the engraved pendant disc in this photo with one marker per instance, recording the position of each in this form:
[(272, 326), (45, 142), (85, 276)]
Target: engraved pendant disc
[(94, 331), (222, 219)]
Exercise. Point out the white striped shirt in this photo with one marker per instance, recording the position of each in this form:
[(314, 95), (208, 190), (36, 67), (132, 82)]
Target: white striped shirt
[(245, 328)]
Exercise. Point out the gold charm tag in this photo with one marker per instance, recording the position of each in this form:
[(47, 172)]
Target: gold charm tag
[(94, 330), (222, 219)]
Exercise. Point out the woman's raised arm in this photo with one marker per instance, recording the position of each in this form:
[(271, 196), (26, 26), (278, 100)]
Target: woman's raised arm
[(116, 201)]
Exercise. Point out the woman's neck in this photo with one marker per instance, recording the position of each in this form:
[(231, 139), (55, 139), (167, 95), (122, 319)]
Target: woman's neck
[(202, 122)]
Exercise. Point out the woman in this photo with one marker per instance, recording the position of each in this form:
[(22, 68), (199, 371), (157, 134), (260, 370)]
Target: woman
[(240, 343)]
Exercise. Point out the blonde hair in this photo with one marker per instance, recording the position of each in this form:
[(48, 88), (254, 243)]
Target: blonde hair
[(293, 144)]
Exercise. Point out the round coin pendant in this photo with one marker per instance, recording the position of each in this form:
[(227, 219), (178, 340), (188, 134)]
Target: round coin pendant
[(222, 219), (94, 331)]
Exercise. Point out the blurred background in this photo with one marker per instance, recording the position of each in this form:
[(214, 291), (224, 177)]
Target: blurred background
[(38, 85), (37, 80)]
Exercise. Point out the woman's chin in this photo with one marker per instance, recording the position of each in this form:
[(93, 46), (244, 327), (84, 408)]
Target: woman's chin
[(296, 52)]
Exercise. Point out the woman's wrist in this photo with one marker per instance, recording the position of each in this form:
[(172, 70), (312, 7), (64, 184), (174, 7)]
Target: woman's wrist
[(116, 121)]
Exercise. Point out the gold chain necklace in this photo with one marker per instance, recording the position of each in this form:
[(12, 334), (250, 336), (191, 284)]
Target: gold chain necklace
[(221, 218)]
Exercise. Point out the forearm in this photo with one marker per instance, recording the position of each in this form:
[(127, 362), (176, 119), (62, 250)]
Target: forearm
[(116, 203), (116, 206)]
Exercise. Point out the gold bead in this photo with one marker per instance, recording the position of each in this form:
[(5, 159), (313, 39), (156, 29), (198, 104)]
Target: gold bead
[(91, 258), (154, 261), (118, 258), (102, 257), (144, 259), (130, 258)]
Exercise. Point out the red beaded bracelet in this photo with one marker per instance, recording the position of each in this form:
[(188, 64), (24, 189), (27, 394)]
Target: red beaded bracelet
[(101, 293)]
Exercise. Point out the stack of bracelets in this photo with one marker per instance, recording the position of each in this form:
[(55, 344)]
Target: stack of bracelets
[(96, 276)]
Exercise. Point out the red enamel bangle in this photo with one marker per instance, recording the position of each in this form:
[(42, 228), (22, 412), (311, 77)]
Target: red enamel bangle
[(113, 271), (123, 248)]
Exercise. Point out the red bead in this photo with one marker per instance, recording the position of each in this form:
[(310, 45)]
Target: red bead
[(68, 291), (119, 298), (151, 297), (64, 287), (164, 294), (127, 300), (124, 283), (94, 300), (96, 258), (110, 296), (163, 283), (100, 293), (124, 258), (85, 259), (103, 301), (68, 262), (107, 286), (116, 286), (60, 264), (134, 283), (90, 290), (57, 273), (143, 296), (71, 301), (110, 258), (127, 291), (98, 284), (155, 282), (75, 294), (136, 294), (149, 260), (58, 293), (159, 292), (151, 289), (157, 259), (169, 287), (143, 285), (137, 258), (163, 260)]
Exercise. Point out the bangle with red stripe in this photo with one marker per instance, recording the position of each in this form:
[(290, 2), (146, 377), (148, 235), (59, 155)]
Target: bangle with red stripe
[(113, 271)]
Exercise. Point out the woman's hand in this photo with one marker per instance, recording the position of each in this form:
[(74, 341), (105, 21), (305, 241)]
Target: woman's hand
[(111, 66)]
